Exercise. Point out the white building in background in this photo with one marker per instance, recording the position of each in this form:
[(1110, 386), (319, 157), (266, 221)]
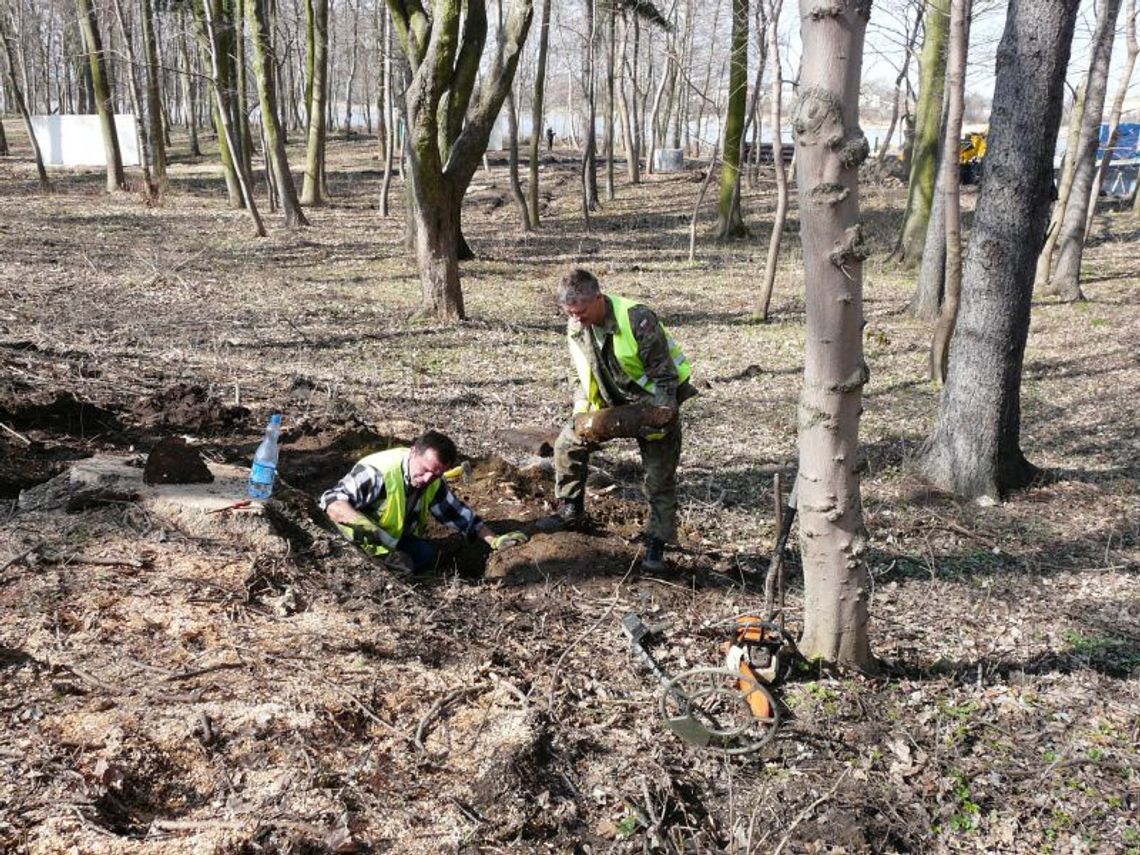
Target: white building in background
[(78, 140)]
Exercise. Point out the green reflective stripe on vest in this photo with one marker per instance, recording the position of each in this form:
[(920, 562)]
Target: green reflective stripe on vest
[(393, 511), (626, 351)]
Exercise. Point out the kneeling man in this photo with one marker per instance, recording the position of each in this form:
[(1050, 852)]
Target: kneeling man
[(382, 505)]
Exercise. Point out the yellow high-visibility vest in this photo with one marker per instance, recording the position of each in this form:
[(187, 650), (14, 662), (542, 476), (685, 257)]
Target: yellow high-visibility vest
[(393, 511), (625, 349)]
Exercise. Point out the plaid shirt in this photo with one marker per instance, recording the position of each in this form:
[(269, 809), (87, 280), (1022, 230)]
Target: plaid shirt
[(363, 488)]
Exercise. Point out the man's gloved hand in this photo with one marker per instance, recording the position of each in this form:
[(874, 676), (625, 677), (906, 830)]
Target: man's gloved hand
[(399, 561), (506, 541), (364, 534)]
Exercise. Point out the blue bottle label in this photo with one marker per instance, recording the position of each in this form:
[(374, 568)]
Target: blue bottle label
[(261, 478)]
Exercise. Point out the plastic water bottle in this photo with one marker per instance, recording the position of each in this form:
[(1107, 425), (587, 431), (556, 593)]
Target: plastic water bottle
[(264, 470)]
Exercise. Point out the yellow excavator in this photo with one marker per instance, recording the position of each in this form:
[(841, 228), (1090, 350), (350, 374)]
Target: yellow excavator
[(971, 152)]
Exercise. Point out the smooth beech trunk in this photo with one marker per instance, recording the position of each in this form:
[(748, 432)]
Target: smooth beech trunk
[(764, 298), (975, 448), (104, 99), (928, 117), (829, 149), (317, 87), (1066, 279), (730, 222), (536, 123), (1117, 108), (260, 29), (949, 176)]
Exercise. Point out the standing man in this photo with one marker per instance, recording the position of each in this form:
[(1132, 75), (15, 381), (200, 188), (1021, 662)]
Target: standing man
[(550, 139), (382, 505), (622, 355)]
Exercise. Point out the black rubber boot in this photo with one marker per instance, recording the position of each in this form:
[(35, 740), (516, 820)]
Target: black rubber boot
[(570, 516), (654, 558)]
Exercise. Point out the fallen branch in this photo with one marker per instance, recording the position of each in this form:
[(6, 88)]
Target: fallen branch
[(16, 559), (198, 672), (803, 814), (437, 708), (16, 434), (98, 562), (582, 637)]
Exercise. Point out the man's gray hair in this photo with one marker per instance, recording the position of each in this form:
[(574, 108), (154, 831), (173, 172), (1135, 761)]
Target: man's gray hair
[(577, 285)]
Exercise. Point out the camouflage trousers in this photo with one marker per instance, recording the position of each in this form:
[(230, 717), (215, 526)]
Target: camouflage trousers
[(658, 456)]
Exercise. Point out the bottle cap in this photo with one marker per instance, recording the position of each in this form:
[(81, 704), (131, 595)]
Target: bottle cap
[(275, 419)]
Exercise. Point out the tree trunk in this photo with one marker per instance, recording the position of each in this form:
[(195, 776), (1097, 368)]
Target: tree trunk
[(153, 100), (104, 101), (608, 128), (388, 116), (975, 448), (928, 293), (730, 223), (1044, 270), (439, 99), (513, 162), (6, 34), (234, 40), (1117, 108), (754, 123), (318, 88), (657, 124), (632, 161), (924, 157), (637, 103), (351, 71), (764, 298), (190, 92), (829, 147), (536, 123), (436, 245), (136, 95), (1071, 246), (589, 150), (224, 111), (260, 31), (952, 214)]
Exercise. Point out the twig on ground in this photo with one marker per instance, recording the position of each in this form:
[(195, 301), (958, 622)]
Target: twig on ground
[(359, 704), (438, 707), (198, 672), (16, 434), (803, 814), (16, 559), (582, 637), (97, 562)]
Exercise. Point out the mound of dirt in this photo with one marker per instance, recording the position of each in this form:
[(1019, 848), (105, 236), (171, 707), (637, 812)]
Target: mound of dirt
[(190, 408), (561, 554), (44, 432), (58, 412)]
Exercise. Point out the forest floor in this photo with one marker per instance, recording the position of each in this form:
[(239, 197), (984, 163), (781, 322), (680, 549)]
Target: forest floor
[(246, 684)]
